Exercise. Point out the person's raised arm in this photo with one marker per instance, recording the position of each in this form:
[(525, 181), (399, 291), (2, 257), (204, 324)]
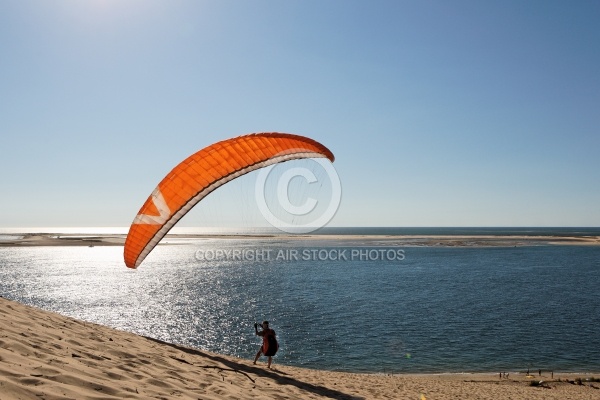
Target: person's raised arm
[(261, 333)]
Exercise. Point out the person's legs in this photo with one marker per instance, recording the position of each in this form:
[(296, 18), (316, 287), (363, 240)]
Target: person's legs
[(269, 363), (257, 356)]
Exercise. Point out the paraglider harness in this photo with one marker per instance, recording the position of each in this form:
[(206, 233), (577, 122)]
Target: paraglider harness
[(269, 339)]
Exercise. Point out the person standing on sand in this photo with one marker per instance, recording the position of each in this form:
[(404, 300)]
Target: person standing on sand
[(270, 345)]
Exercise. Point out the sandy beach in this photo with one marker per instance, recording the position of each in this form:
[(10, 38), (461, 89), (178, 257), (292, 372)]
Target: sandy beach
[(44, 355)]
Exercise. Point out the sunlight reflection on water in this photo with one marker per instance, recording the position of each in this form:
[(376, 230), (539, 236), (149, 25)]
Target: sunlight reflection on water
[(450, 309)]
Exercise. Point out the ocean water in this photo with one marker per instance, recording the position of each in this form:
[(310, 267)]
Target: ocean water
[(339, 305)]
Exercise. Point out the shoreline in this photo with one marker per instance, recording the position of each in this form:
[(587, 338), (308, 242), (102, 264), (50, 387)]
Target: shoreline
[(48, 356), (60, 239)]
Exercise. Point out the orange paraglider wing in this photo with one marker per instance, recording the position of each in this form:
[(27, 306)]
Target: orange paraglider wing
[(201, 173)]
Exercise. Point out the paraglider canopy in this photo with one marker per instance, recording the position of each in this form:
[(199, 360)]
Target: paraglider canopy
[(203, 172)]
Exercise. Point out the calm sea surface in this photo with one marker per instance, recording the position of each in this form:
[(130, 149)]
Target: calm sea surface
[(339, 305)]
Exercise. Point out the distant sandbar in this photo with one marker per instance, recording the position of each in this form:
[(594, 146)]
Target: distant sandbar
[(57, 239)]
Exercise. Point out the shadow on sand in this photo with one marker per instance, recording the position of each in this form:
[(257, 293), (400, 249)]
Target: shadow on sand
[(277, 376)]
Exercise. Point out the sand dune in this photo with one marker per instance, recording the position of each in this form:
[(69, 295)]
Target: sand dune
[(44, 355)]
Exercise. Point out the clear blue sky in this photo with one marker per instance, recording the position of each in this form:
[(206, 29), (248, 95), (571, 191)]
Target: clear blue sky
[(440, 113)]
